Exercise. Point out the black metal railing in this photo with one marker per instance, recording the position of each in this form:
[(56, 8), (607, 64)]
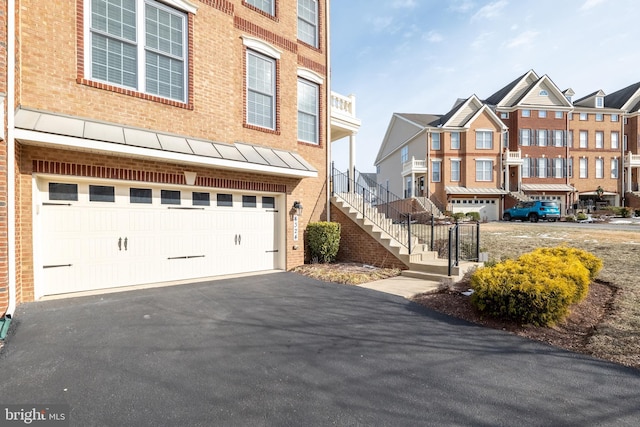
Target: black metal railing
[(406, 221)]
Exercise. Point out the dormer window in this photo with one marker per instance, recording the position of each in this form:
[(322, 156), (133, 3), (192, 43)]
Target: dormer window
[(568, 98), (544, 93), (599, 102)]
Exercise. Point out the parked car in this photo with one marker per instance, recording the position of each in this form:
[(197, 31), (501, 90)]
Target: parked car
[(533, 211)]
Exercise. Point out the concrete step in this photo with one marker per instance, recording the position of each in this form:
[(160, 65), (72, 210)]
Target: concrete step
[(432, 277)]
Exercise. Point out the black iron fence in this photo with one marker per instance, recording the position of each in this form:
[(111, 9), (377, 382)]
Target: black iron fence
[(406, 221)]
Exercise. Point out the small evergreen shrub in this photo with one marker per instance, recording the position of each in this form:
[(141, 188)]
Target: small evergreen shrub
[(581, 216), (457, 216), (323, 240), (538, 287), (475, 216), (625, 212)]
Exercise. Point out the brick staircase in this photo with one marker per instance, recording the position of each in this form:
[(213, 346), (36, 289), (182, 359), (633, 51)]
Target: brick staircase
[(421, 263)]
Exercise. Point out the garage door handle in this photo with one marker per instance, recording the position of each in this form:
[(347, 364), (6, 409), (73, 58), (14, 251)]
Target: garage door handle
[(125, 243), (120, 244), (239, 238), (235, 239)]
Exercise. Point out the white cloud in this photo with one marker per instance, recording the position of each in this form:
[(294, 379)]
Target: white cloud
[(404, 4), (492, 10), (381, 23), (461, 6), (590, 4), (481, 40), (523, 39), (433, 37)]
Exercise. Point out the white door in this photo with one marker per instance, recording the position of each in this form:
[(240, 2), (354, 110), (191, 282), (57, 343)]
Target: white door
[(88, 242)]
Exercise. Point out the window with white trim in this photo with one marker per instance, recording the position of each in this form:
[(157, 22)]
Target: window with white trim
[(504, 115), (524, 137), (584, 116), (599, 117), (261, 90), (308, 94), (558, 138), (542, 138), (614, 168), (570, 139), (599, 168), (484, 139), (436, 169), (599, 102), (435, 141), (599, 139), (542, 114), (558, 168), (526, 168), (264, 5), (624, 142), (584, 139), (615, 140), (542, 167), (308, 22), (404, 155), (455, 170), (526, 113), (583, 168), (455, 140), (558, 114), (615, 117), (139, 45), (484, 170)]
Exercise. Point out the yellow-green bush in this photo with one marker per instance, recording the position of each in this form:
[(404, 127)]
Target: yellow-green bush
[(323, 240), (537, 288)]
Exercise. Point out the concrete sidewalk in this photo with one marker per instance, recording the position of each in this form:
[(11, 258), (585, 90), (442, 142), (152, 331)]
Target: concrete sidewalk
[(403, 286)]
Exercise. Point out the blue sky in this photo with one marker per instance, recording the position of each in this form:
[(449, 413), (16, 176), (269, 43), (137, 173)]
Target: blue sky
[(419, 56)]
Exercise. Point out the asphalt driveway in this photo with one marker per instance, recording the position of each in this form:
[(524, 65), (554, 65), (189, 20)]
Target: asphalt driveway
[(282, 349)]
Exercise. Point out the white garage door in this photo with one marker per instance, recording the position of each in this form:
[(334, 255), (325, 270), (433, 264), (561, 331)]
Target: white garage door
[(95, 236), (487, 208)]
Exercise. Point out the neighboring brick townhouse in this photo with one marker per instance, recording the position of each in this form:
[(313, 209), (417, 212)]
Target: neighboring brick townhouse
[(580, 153), (158, 140)]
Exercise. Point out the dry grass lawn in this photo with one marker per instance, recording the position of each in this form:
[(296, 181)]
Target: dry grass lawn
[(617, 337)]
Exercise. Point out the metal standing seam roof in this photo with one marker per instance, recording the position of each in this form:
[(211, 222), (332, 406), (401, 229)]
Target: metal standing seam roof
[(474, 191), (56, 124), (548, 187)]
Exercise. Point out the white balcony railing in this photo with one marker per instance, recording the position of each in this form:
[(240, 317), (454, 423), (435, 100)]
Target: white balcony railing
[(632, 160), (343, 116), (343, 105), (414, 166), (513, 157)]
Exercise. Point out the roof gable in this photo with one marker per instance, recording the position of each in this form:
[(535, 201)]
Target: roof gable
[(402, 128), (623, 98), (590, 100), (508, 95), (543, 93)]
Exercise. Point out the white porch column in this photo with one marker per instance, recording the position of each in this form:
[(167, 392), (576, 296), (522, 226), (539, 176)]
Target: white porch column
[(413, 184), (628, 178), (352, 156), (506, 178)]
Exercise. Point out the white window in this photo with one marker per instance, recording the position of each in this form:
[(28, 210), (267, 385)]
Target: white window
[(570, 115), (615, 140), (404, 155), (139, 45), (526, 168), (558, 168), (558, 114), (544, 93), (584, 116), (308, 22), (614, 168), (524, 137), (599, 168), (558, 137), (484, 170), (526, 113), (264, 5), (583, 168), (570, 139), (435, 171), (584, 139), (455, 140), (504, 115), (435, 141), (599, 102), (599, 139), (615, 118), (542, 114), (542, 138), (542, 167), (261, 89), (599, 117), (307, 111), (455, 170), (624, 142), (484, 139)]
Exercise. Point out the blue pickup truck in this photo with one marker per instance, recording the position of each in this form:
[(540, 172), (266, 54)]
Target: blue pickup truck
[(533, 211)]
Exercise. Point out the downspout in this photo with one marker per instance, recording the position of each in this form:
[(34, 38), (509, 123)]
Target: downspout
[(328, 119), (622, 173), (428, 133), (11, 157)]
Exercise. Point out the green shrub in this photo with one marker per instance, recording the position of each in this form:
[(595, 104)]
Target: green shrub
[(457, 216), (570, 218), (536, 288), (581, 216), (625, 212), (323, 239), (475, 216)]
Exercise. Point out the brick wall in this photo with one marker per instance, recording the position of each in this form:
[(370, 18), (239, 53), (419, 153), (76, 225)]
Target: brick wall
[(357, 246)]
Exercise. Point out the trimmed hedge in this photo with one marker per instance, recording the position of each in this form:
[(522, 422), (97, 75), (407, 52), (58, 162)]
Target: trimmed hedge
[(323, 240), (538, 287)]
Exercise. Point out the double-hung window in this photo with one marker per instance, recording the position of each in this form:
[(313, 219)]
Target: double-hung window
[(455, 140), (526, 169), (558, 138), (436, 171), (435, 141), (484, 170), (484, 139), (614, 168), (261, 90), (599, 139), (139, 45), (615, 140), (455, 170), (404, 155), (584, 139), (524, 137), (558, 168), (599, 168), (542, 167), (308, 22), (308, 94), (264, 5), (542, 138), (583, 168)]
